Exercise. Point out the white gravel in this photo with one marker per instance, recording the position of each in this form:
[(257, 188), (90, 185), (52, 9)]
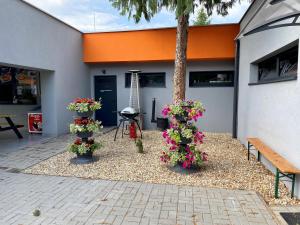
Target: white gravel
[(227, 167)]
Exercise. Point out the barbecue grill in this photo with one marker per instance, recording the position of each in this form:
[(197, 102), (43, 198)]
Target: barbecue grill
[(130, 113)]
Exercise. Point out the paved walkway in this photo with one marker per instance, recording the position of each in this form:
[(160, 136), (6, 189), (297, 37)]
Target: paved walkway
[(74, 201), (66, 200), (31, 154)]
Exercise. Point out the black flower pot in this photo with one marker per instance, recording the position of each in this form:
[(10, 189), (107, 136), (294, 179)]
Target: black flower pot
[(185, 141), (85, 114), (192, 167), (181, 119), (85, 134), (87, 155), (178, 168)]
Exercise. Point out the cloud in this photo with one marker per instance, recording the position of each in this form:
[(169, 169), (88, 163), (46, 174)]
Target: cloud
[(234, 14), (99, 15), (47, 3), (89, 22)]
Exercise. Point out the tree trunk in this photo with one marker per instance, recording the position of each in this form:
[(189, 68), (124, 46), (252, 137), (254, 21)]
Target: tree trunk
[(180, 59)]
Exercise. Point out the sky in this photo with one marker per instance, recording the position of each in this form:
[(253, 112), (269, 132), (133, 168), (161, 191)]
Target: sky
[(99, 15)]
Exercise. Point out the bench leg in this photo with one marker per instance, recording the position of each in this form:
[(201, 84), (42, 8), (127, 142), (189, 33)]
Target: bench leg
[(276, 183), (258, 156), (13, 127), (293, 184)]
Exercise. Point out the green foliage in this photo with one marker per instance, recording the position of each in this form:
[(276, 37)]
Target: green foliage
[(202, 18), (137, 9), (84, 106), (92, 126), (84, 147), (139, 145)]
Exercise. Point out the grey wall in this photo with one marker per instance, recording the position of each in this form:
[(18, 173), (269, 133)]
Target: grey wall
[(270, 111), (32, 39), (218, 101)]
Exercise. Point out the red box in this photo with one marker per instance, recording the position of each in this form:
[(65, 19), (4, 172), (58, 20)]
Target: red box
[(35, 122)]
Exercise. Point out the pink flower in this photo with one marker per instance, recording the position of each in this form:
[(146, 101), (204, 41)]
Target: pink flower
[(166, 111), (165, 134), (173, 147), (186, 164)]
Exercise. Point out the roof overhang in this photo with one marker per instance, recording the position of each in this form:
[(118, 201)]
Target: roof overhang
[(272, 14)]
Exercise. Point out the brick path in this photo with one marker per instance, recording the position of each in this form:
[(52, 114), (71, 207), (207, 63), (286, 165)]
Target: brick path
[(67, 200), (32, 154), (74, 201)]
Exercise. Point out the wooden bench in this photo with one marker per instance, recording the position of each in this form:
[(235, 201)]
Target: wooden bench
[(283, 167)]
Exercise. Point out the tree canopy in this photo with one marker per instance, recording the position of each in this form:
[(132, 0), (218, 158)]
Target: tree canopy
[(138, 9), (201, 18)]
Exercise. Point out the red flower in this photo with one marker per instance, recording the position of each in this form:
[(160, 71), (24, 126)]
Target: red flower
[(78, 141), (80, 121), (84, 100)]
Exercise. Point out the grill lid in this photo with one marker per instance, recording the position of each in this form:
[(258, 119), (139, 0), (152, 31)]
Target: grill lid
[(129, 110)]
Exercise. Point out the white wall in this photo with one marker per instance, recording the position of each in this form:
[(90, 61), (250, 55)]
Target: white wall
[(32, 39), (270, 112), (218, 101)]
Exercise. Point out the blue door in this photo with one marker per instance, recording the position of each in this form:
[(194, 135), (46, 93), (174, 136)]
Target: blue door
[(106, 89)]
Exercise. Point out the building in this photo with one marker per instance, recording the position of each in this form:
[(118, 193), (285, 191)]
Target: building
[(245, 74), (69, 62), (268, 88)]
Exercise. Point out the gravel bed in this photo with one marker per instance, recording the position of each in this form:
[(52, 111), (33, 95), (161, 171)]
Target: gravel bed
[(227, 167)]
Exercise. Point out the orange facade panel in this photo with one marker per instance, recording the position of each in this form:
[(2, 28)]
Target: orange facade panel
[(213, 42)]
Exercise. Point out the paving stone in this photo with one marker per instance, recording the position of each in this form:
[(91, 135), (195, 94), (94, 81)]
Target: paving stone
[(69, 200)]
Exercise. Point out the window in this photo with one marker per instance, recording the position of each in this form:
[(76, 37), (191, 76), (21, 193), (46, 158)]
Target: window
[(18, 86), (148, 79), (283, 66), (211, 79)]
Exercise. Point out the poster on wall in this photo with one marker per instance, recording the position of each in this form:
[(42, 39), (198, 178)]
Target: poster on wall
[(5, 74), (35, 123)]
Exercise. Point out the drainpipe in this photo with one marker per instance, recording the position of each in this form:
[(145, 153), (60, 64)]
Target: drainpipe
[(153, 119), (236, 89)]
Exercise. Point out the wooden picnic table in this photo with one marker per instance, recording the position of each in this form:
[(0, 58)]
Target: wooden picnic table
[(12, 125)]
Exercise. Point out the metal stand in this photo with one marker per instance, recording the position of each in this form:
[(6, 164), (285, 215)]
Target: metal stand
[(291, 178), (122, 121)]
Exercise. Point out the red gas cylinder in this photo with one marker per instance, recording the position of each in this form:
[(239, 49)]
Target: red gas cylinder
[(132, 131)]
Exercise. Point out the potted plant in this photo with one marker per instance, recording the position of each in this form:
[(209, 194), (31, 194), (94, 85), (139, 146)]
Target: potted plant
[(84, 127), (84, 107), (183, 136), (84, 149)]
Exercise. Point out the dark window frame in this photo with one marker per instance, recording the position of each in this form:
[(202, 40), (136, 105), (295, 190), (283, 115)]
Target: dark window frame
[(211, 84), (277, 59), (14, 86), (141, 75)]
